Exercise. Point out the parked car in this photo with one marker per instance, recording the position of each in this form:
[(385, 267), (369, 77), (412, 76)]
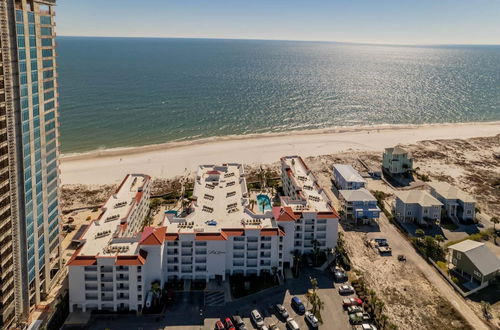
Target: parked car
[(229, 324), (257, 318), (219, 326), (384, 250), (352, 301), (354, 309), (346, 289), (298, 305), (339, 275), (238, 323), (359, 318), (381, 241), (311, 319), (291, 324), (281, 311)]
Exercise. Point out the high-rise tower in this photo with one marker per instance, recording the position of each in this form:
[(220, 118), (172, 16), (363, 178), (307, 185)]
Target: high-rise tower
[(29, 211)]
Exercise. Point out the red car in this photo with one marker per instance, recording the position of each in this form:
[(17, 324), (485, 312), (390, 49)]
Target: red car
[(229, 324), (352, 302), (219, 325)]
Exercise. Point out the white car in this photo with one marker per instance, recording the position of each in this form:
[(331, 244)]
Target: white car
[(257, 318), (291, 324), (312, 320), (346, 289)]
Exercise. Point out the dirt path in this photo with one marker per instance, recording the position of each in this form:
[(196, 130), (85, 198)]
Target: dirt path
[(401, 246)]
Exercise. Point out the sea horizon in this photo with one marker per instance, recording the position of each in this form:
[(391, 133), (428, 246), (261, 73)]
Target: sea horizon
[(123, 92)]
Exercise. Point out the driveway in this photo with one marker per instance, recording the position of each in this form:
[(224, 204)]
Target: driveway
[(400, 245)]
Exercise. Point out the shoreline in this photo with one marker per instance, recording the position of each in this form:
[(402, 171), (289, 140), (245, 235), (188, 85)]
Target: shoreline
[(175, 158), (130, 150)]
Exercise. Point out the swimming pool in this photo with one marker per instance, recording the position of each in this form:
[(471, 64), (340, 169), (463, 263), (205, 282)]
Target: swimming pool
[(264, 203)]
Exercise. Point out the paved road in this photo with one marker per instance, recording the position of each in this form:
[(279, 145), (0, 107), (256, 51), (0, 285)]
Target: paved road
[(400, 245)]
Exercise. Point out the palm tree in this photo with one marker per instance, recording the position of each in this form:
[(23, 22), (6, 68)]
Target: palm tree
[(420, 232), (296, 261), (312, 296), (252, 203), (439, 238), (379, 307), (495, 221), (316, 250), (383, 321)]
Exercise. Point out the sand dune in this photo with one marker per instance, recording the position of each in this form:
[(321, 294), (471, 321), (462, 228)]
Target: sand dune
[(170, 159)]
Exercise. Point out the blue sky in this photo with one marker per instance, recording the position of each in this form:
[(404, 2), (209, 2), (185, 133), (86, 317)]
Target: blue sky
[(372, 21)]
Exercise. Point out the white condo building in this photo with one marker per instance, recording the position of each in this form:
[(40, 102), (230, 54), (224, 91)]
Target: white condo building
[(306, 213), (106, 271), (222, 232)]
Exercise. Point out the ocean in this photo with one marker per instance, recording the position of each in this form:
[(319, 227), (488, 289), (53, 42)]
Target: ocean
[(122, 92)]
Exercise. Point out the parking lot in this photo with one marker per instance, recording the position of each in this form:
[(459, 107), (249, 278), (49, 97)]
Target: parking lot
[(333, 315), (188, 311)]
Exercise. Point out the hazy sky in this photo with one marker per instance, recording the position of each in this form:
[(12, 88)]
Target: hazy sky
[(377, 21)]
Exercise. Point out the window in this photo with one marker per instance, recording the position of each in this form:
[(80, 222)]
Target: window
[(47, 52), (32, 29), (19, 16), (48, 63), (20, 42), (21, 53), (46, 31), (46, 20)]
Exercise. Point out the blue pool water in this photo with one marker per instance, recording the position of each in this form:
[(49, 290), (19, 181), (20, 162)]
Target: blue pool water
[(264, 203)]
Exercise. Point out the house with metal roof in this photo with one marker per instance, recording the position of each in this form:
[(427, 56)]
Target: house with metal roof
[(474, 261), (397, 161), (458, 204), (347, 178), (417, 206)]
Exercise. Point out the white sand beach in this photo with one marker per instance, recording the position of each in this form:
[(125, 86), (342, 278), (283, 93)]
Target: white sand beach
[(171, 159)]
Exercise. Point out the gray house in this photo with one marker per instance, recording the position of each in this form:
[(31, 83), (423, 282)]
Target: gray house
[(417, 206), (397, 161), (474, 261), (458, 204)]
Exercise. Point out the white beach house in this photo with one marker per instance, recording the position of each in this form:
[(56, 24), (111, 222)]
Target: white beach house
[(347, 178)]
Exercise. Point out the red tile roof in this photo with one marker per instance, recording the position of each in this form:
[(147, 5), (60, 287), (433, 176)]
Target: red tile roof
[(171, 237), (211, 237), (271, 232), (284, 214), (234, 232), (82, 260), (136, 260), (327, 215), (153, 236)]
